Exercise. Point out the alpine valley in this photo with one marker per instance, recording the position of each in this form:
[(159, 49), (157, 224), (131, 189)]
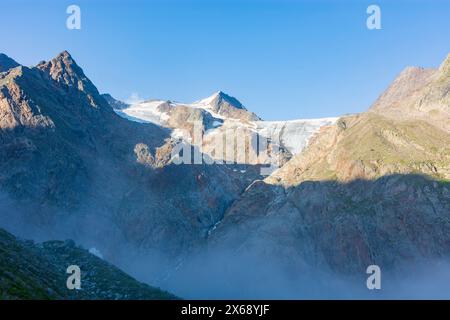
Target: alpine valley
[(349, 192)]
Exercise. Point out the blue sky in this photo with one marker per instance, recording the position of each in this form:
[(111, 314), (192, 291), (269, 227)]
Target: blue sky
[(283, 59)]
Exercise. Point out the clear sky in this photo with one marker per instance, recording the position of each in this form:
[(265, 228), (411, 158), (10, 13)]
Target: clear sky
[(283, 59)]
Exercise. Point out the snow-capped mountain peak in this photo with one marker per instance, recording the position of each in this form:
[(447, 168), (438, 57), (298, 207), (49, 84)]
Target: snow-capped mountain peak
[(222, 113)]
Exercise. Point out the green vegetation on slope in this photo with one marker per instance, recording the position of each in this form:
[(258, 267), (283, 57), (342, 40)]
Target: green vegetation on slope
[(38, 271)]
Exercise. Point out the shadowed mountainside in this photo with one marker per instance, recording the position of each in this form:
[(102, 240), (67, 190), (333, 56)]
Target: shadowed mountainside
[(77, 170), (372, 188)]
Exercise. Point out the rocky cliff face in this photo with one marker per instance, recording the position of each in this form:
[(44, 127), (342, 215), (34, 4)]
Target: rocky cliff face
[(71, 164), (31, 270), (114, 103), (7, 63)]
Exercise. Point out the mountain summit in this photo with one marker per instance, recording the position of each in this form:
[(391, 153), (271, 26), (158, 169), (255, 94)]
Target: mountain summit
[(374, 188), (64, 70), (227, 106)]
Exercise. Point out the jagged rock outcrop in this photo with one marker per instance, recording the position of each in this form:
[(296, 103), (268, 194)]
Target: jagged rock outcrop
[(66, 155)]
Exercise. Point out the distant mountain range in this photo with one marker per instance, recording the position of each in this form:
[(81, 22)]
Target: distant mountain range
[(370, 188)]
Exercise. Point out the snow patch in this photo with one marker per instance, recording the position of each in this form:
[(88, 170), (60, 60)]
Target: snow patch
[(294, 135)]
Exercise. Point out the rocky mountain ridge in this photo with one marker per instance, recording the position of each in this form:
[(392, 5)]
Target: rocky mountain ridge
[(371, 188), (31, 270)]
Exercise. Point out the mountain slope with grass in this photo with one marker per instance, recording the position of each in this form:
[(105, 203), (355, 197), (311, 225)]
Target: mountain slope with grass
[(31, 270), (65, 155)]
